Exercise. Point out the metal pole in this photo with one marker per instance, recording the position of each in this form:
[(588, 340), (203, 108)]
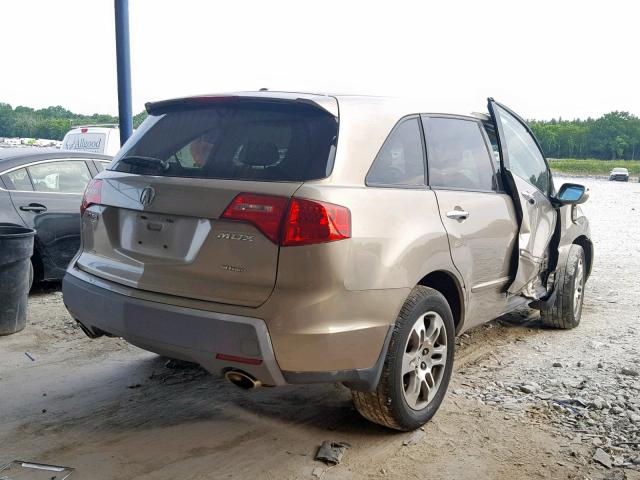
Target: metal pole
[(124, 69)]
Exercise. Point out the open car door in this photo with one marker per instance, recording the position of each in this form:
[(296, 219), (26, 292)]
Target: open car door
[(529, 182)]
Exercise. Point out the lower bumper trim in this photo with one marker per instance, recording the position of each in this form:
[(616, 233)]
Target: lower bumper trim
[(362, 380), (214, 340)]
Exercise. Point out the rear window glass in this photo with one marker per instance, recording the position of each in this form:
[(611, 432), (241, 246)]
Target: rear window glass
[(243, 141)]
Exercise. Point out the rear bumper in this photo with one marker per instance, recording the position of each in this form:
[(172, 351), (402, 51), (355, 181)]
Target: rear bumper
[(177, 332), (201, 335)]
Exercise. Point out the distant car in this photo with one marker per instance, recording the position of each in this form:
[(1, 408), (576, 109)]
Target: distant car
[(619, 174), (42, 189), (103, 139)]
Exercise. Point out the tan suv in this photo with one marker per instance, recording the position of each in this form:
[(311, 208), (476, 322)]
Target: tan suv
[(284, 238)]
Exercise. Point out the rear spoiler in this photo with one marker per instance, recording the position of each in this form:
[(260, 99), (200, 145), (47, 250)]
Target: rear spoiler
[(326, 103)]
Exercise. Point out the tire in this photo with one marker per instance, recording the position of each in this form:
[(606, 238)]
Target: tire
[(395, 403), (566, 311)]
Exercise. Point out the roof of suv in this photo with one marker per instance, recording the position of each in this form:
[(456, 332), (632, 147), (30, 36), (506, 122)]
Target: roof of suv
[(398, 106)]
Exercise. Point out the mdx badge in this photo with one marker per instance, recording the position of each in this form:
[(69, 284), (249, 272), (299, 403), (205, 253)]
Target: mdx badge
[(235, 236), (147, 195)]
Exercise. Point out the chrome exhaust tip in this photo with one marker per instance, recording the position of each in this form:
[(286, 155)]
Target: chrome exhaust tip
[(242, 379)]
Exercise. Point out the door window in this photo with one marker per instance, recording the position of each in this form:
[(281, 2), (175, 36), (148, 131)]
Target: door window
[(400, 162), (18, 180), (525, 159), (458, 154), (61, 177)]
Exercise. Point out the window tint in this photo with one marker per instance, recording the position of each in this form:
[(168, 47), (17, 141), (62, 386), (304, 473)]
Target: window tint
[(458, 155), (18, 180), (63, 177), (401, 160), (525, 158), (275, 141)]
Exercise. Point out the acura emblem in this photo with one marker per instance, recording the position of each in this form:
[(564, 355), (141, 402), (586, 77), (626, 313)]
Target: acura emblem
[(147, 195)]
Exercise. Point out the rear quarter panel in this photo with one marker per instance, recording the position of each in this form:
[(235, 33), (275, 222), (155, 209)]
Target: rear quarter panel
[(8, 212), (334, 303), (397, 235)]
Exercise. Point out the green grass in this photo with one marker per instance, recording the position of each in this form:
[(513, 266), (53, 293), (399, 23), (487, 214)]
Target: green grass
[(592, 166)]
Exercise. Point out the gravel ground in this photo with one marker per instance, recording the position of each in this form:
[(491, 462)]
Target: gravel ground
[(585, 383), (525, 402)]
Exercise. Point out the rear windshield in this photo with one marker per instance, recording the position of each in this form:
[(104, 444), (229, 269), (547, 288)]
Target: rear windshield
[(274, 141)]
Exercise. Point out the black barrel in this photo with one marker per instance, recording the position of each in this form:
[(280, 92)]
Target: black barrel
[(16, 248)]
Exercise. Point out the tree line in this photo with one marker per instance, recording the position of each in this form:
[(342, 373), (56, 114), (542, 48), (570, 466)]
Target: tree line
[(615, 135), (51, 123)]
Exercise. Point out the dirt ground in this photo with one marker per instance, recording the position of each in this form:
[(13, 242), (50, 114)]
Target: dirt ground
[(525, 402)]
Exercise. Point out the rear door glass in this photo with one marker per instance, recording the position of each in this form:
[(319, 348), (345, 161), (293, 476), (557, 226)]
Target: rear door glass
[(18, 180), (62, 177), (100, 165), (247, 141), (458, 156)]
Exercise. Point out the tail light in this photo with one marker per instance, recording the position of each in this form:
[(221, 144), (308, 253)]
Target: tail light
[(291, 222), (263, 211), (310, 221), (92, 195)]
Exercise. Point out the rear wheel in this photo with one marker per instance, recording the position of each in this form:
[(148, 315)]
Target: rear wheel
[(418, 365), (566, 311)]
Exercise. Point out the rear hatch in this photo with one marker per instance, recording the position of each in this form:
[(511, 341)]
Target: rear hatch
[(154, 221)]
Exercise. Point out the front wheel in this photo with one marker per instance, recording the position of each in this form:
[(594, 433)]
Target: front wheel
[(566, 311), (418, 365)]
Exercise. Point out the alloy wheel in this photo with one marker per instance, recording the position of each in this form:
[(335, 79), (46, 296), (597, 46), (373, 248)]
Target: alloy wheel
[(424, 360)]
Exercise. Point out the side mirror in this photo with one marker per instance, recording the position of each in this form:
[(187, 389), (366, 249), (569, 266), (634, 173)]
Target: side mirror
[(572, 194)]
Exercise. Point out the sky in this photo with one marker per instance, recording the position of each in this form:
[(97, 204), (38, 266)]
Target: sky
[(545, 59)]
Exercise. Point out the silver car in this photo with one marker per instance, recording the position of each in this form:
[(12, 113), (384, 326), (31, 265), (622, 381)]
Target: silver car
[(619, 174), (283, 238)]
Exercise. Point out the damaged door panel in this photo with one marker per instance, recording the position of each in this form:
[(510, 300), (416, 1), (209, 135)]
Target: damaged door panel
[(528, 179)]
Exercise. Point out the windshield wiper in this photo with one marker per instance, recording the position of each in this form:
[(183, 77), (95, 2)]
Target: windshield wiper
[(149, 162)]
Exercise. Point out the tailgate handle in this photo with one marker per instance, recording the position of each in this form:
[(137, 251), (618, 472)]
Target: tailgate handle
[(33, 207)]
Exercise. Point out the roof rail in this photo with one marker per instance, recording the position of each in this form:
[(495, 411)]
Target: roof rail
[(112, 125)]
